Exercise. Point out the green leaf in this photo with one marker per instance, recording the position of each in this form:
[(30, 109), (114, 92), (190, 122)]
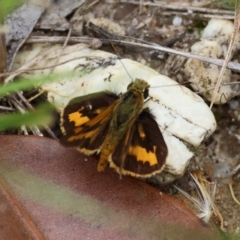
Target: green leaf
[(7, 6), (225, 4), (24, 84), (39, 116), (16, 86)]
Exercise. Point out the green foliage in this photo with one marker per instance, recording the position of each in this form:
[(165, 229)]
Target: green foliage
[(16, 86), (7, 6), (39, 116), (226, 4), (26, 84)]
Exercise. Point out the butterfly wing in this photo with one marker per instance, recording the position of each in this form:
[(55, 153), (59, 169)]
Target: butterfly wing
[(143, 148), (85, 121)]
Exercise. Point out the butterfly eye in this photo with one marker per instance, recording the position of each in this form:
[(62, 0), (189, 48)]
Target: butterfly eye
[(145, 93), (88, 106), (129, 85)]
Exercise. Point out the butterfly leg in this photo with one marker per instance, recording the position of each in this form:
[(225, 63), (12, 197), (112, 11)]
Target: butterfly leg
[(102, 165), (107, 149)]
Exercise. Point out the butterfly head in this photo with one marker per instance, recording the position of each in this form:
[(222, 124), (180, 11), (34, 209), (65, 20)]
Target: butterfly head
[(140, 86)]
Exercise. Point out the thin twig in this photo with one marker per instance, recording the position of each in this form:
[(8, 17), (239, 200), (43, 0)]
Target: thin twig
[(35, 130), (48, 130), (63, 47), (20, 70), (36, 95), (222, 84), (25, 101), (151, 46), (198, 15), (229, 52), (7, 108), (237, 168), (178, 6), (24, 130), (233, 172), (232, 193), (27, 65)]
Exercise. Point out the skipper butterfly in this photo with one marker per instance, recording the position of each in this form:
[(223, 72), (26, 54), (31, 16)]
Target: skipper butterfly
[(120, 128)]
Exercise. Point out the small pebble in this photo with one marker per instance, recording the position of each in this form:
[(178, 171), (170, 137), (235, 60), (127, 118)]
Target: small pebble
[(95, 43), (225, 223), (233, 104), (177, 21), (218, 198)]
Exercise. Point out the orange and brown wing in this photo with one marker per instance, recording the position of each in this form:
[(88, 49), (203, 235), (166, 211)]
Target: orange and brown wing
[(144, 149), (85, 121)]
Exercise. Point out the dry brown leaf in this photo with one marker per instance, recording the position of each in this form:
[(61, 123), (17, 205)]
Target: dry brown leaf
[(50, 192)]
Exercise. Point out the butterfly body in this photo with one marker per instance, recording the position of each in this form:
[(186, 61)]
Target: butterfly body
[(123, 118), (125, 134)]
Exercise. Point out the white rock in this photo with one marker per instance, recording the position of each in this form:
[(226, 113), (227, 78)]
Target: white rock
[(182, 116), (204, 76), (177, 21), (219, 30)]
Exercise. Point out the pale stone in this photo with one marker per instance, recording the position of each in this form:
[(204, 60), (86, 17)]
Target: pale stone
[(183, 117)]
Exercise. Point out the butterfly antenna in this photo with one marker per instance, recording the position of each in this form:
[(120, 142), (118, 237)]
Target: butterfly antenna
[(173, 85), (121, 61)]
